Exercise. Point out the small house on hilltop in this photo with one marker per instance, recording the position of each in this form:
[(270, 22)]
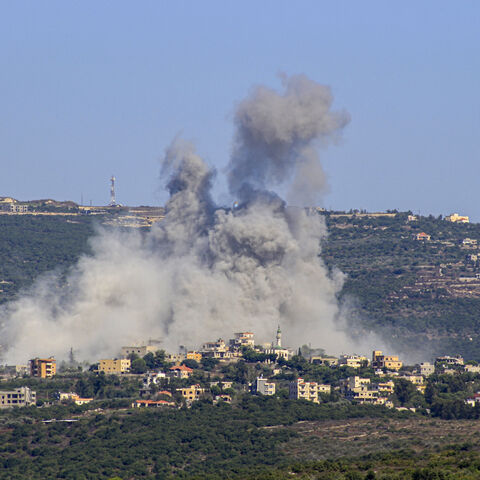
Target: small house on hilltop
[(423, 236)]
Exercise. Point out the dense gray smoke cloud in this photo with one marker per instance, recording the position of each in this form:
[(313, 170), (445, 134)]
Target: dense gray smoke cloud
[(205, 272), (276, 136)]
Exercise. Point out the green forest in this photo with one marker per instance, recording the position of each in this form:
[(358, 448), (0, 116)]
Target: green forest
[(259, 438), (34, 245)]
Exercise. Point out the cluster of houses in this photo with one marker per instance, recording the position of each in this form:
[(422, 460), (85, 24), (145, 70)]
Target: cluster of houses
[(158, 388), (453, 218)]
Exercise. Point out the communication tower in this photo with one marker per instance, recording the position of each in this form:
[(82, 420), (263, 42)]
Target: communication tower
[(113, 202)]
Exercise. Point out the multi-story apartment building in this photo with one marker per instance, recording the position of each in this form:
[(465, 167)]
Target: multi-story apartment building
[(15, 208), (299, 389), (114, 366), (176, 357), (43, 367), (353, 361), (218, 346), (197, 356), (219, 350), (356, 383), (20, 397), (242, 339), (389, 362), (426, 369), (386, 387), (449, 361), (191, 393), (360, 390), (263, 386)]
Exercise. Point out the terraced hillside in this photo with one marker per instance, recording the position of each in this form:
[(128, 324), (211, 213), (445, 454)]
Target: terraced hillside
[(421, 293)]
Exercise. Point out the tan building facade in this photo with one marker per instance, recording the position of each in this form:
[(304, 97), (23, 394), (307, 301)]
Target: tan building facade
[(191, 393), (299, 389), (390, 362), (20, 397), (456, 218), (197, 356), (141, 351), (114, 366), (353, 361), (43, 367)]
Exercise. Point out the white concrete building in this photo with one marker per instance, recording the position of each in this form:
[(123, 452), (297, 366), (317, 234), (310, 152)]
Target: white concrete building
[(264, 387), (20, 397)]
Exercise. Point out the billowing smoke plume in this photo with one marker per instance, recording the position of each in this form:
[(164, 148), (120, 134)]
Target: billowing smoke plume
[(276, 138), (206, 272)]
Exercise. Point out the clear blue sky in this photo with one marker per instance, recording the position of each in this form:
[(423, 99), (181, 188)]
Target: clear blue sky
[(93, 88)]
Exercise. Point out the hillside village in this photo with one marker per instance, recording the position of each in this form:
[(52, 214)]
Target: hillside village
[(415, 278), (225, 371)]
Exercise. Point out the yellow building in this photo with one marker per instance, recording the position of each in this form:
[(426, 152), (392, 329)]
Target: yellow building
[(191, 393), (43, 367), (114, 366), (415, 379), (353, 361), (197, 356), (390, 362), (299, 389), (386, 387), (455, 217), (360, 390), (356, 383)]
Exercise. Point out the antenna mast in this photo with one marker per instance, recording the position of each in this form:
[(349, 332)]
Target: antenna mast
[(113, 202)]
